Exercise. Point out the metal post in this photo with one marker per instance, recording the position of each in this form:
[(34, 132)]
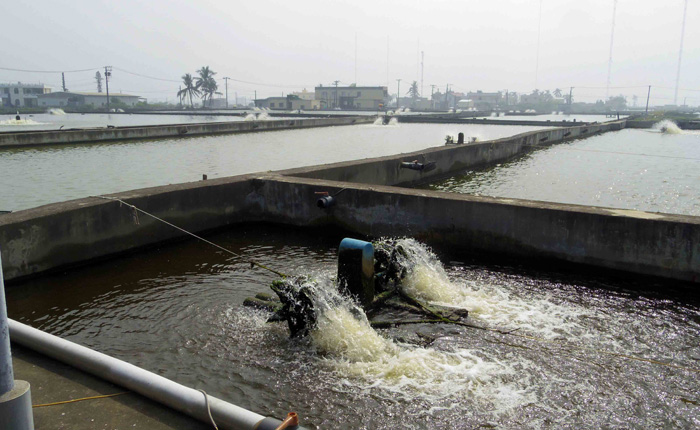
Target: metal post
[(108, 73), (226, 78), (15, 396), (335, 101), (6, 375), (398, 93), (648, 94)]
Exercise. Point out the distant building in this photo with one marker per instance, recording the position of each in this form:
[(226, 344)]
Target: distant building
[(370, 98), (290, 102), (21, 95), (71, 98), (305, 95), (485, 101), (449, 101)]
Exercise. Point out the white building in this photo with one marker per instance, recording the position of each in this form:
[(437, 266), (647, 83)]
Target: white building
[(21, 95), (71, 98)]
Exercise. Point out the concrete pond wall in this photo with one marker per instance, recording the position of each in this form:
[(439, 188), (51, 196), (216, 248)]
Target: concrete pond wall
[(75, 232), (31, 138), (448, 159)]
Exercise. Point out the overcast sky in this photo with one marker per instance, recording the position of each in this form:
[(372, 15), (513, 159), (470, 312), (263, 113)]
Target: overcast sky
[(283, 46)]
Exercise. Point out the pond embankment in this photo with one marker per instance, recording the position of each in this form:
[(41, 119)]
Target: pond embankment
[(368, 203), (91, 135)]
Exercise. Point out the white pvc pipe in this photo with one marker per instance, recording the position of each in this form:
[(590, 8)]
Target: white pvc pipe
[(155, 387)]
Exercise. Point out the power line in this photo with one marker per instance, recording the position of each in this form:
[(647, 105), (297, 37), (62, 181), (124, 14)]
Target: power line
[(146, 76), (49, 71)]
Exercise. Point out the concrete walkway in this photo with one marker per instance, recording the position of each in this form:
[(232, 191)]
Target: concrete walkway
[(52, 381)]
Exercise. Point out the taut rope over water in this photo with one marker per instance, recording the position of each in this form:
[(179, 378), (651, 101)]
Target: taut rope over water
[(136, 221)]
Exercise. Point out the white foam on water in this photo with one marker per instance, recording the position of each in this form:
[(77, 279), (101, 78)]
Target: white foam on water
[(56, 111), (362, 358), (491, 304), (27, 121)]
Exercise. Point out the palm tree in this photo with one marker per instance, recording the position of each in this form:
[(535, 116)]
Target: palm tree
[(413, 92), (190, 88), (557, 93), (206, 83)]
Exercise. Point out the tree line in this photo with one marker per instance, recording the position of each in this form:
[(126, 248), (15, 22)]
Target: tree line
[(203, 86)]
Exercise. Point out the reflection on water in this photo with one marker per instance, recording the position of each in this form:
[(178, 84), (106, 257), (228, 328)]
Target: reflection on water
[(645, 170), (178, 311), (37, 176)]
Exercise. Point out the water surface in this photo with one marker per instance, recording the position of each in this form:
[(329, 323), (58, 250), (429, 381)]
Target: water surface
[(177, 311), (630, 169), (34, 176)]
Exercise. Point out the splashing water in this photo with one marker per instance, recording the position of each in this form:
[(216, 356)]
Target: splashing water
[(56, 111), (263, 116), (668, 127), (349, 346), (27, 121), (427, 280)]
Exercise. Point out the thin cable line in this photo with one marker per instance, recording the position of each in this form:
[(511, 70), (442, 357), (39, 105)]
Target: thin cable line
[(146, 76), (252, 262), (617, 153), (80, 400), (49, 71)]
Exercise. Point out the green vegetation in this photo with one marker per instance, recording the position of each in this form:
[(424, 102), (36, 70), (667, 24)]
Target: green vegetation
[(190, 89), (203, 86)]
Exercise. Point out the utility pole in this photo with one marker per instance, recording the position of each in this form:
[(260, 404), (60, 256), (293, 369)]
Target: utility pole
[(422, 61), (506, 98), (255, 101), (398, 93), (335, 100), (355, 58), (648, 94), (680, 55), (63, 79), (571, 90), (108, 74), (447, 91), (226, 78)]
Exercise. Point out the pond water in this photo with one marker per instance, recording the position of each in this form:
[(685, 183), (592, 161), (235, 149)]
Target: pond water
[(34, 176), (649, 170), (571, 350)]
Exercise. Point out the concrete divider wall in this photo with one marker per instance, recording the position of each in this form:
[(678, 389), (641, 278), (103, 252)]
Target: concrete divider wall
[(449, 159), (74, 232), (160, 131), (639, 242), (457, 120)]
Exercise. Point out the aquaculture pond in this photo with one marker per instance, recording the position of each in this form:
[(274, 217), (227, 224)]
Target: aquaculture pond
[(650, 170), (549, 347)]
